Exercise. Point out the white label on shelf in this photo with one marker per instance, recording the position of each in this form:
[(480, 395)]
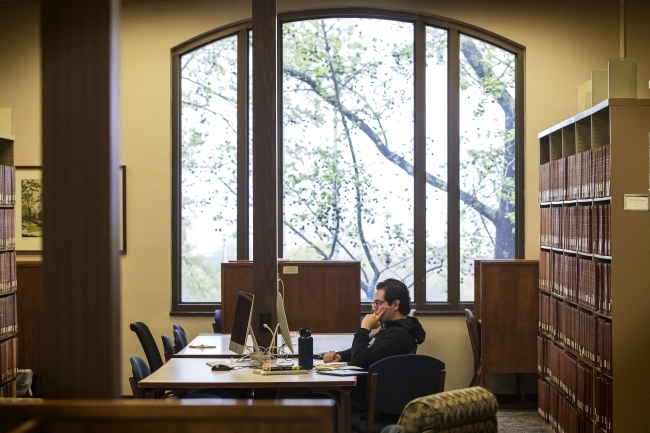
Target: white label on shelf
[(290, 269), (635, 202)]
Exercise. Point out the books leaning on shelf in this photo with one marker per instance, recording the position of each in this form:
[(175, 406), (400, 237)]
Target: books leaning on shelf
[(587, 283), (9, 357), (8, 279), (7, 185), (586, 336), (8, 322), (7, 229), (583, 175), (581, 228)]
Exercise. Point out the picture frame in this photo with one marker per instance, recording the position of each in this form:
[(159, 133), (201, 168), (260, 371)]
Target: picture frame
[(29, 239), (33, 243)]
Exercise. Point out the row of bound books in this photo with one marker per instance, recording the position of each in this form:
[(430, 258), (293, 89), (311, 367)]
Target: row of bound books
[(7, 185), (8, 278), (8, 320), (585, 282), (584, 175), (7, 229), (587, 336), (586, 229), (557, 411), (8, 360), (8, 390), (603, 405), (573, 377)]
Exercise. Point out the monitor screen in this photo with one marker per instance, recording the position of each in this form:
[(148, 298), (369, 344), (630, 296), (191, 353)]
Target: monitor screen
[(282, 321), (241, 324)]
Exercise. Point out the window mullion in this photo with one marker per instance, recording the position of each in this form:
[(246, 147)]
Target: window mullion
[(453, 193), (420, 233), (242, 145)]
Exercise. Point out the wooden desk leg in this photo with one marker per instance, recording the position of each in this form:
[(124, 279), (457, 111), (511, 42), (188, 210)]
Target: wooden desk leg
[(343, 403)]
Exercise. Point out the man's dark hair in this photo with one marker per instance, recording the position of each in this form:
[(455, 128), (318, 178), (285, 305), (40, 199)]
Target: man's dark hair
[(395, 289)]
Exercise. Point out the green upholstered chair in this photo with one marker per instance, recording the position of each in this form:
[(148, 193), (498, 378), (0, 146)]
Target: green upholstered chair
[(469, 410)]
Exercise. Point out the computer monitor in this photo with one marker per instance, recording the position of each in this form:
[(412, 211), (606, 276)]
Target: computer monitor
[(241, 324), (282, 322)]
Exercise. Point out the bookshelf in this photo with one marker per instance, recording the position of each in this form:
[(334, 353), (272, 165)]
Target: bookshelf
[(8, 283), (594, 285)]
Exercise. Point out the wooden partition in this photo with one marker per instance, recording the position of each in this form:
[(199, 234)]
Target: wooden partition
[(506, 303), (325, 295), (168, 416), (30, 304)]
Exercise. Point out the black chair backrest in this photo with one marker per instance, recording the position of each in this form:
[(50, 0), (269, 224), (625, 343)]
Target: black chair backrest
[(180, 340), (168, 347), (216, 326), (179, 327), (403, 378), (148, 344), (474, 333), (140, 370)]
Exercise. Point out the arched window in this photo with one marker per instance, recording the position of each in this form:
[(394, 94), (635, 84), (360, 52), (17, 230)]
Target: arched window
[(401, 147)]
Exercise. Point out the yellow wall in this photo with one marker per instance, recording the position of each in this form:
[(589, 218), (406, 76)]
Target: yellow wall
[(564, 41)]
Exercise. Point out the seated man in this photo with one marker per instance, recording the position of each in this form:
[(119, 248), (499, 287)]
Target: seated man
[(399, 335)]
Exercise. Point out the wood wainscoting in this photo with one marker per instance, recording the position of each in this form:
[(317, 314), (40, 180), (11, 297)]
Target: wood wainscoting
[(29, 297)]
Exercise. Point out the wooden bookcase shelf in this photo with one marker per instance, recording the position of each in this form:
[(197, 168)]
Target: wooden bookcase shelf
[(8, 285), (587, 164)]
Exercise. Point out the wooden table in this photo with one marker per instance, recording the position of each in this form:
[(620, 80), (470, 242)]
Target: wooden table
[(322, 343), (184, 373)]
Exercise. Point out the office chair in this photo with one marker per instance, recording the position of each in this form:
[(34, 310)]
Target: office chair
[(168, 347), (475, 340), (216, 326), (179, 327), (392, 383), (140, 370), (148, 344), (180, 340)]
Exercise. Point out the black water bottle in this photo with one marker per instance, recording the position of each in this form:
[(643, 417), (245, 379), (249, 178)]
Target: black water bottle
[(305, 349)]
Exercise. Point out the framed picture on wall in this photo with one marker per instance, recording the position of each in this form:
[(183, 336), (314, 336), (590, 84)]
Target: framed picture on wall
[(29, 210)]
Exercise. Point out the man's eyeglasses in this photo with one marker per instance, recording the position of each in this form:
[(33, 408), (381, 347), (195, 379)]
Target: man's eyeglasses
[(376, 304)]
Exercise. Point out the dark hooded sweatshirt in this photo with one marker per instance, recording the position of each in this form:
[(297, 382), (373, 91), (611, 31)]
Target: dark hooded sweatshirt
[(397, 337)]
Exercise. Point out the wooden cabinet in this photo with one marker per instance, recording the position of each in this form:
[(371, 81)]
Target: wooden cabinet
[(325, 295), (505, 302), (594, 344), (8, 284)]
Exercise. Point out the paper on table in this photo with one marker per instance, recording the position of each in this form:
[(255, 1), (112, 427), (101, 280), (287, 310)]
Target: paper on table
[(202, 346), (336, 366)]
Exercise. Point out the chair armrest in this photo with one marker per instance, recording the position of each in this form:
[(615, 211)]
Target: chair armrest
[(449, 409)]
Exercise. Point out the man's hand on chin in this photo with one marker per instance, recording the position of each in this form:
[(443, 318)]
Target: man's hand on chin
[(371, 321)]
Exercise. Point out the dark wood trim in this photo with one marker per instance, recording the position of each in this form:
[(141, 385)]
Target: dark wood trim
[(453, 160), (520, 152), (80, 346), (211, 36), (265, 134), (420, 166), (243, 145), (176, 210), (280, 148), (29, 304)]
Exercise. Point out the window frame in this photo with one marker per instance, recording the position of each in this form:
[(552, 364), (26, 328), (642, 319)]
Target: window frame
[(420, 21)]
